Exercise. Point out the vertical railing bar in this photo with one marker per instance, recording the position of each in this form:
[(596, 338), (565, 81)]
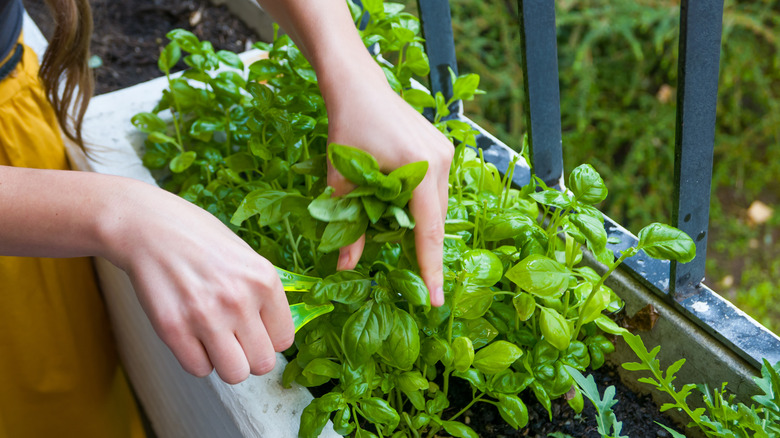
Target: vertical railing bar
[(701, 23), (436, 21), (540, 79)]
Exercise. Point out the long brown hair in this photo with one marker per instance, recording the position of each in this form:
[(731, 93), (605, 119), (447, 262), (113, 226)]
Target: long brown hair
[(66, 62)]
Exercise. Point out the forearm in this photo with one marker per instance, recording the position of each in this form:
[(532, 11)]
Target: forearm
[(326, 34), (55, 213)]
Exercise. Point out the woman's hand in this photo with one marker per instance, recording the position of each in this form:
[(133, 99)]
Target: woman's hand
[(210, 297), (369, 115)]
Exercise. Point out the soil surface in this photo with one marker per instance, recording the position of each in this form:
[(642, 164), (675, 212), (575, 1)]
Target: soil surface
[(638, 414), (129, 35)]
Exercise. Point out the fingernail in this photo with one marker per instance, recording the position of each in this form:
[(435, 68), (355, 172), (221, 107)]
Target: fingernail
[(439, 294)]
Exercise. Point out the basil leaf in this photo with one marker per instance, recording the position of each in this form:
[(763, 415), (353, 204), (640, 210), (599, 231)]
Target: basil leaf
[(329, 209), (552, 198), (661, 241), (483, 267), (256, 202), (339, 234), (465, 87), (186, 39), (411, 286), (230, 59), (525, 305), (402, 347), (496, 357), (513, 410), (554, 328), (347, 287), (463, 353), (352, 163), (373, 207), (365, 330), (478, 330), (321, 367), (472, 302), (540, 276), (587, 185), (592, 229), (377, 410), (148, 122), (507, 226), (458, 429), (419, 99), (182, 162)]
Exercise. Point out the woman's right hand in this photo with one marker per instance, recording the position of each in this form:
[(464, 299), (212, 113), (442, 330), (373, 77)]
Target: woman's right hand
[(212, 299)]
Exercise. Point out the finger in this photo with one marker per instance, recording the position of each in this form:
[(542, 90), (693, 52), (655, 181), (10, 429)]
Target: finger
[(191, 355), (341, 185), (275, 314), (429, 237), (228, 357), (257, 346), (350, 254)]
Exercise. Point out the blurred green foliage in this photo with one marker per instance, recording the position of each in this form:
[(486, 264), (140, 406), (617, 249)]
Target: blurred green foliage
[(618, 78)]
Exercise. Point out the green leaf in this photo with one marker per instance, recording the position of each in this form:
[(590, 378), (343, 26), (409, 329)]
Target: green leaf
[(458, 429), (496, 357), (593, 308), (352, 163), (507, 225), (186, 39), (402, 347), (417, 61), (552, 198), (182, 162), (465, 87), (411, 286), (379, 411), (609, 326), (347, 287), (555, 328), (169, 57), (513, 410), (540, 276), (365, 330), (159, 137), (148, 123), (313, 420), (587, 185), (339, 234), (661, 241), (373, 207), (410, 175), (525, 305), (592, 229), (329, 209), (230, 59), (478, 330), (483, 267), (472, 302), (293, 282), (463, 353), (419, 99), (303, 313), (322, 367), (256, 202)]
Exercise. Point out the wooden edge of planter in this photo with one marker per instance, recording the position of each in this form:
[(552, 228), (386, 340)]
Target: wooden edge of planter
[(176, 403)]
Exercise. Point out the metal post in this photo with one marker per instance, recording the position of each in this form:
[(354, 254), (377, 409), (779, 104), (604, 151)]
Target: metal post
[(701, 23), (436, 23), (540, 77)]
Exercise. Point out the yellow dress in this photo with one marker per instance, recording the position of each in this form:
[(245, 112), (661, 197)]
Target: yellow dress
[(59, 370)]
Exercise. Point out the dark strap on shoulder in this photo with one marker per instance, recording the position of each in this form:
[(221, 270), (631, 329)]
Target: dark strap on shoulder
[(12, 62)]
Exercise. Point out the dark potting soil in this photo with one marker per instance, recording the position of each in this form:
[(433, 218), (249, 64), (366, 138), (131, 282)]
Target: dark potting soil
[(129, 35), (637, 412)]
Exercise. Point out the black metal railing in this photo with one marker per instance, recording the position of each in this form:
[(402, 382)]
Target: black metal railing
[(699, 56)]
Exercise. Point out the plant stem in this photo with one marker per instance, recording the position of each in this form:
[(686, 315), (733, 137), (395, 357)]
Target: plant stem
[(471, 403), (296, 254), (178, 113), (626, 254)]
